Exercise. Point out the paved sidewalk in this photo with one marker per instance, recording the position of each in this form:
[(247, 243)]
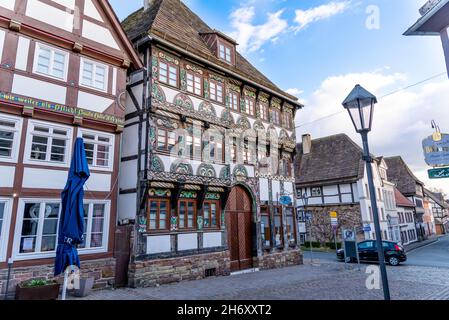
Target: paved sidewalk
[(417, 245), (323, 280)]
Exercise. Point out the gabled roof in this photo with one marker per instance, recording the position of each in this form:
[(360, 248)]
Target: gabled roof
[(399, 173), (173, 21), (332, 159), (401, 200), (433, 20), (437, 197)]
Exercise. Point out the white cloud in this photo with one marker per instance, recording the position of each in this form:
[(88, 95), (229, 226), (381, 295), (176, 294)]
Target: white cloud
[(294, 91), (401, 120), (305, 17), (251, 37)]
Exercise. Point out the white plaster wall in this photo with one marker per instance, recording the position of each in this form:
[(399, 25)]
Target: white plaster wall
[(99, 182), (2, 42), (263, 186), (328, 199), (114, 81), (158, 244), (44, 178), (93, 102), (187, 241), (7, 176), (345, 188), (330, 190), (130, 141), (99, 34), (39, 89), (51, 15), (128, 175), (129, 107), (127, 206), (288, 186), (66, 3), (8, 4), (22, 53), (276, 187), (212, 239), (91, 11), (346, 198), (312, 201)]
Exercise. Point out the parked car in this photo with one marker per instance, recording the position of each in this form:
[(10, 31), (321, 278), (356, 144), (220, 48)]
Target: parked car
[(394, 252)]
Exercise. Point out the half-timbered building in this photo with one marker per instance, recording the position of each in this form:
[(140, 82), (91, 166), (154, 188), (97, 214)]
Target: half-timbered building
[(63, 69), (204, 134)]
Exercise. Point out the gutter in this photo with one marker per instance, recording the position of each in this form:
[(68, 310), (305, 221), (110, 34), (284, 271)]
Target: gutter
[(421, 21), (187, 53)]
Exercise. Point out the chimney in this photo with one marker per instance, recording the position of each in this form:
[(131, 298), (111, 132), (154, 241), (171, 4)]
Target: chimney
[(306, 143)]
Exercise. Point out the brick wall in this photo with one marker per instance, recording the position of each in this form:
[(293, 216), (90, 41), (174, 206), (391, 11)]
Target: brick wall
[(150, 273), (349, 216), (279, 259), (103, 270)]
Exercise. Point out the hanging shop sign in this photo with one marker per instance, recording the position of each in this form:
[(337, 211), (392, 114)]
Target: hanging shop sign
[(436, 150), (30, 102)]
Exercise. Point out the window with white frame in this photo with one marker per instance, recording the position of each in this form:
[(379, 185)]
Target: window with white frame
[(168, 73), (38, 224), (94, 225), (99, 148), (9, 137), (4, 227), (48, 143), (94, 75), (51, 62), (216, 91), (194, 83), (225, 53)]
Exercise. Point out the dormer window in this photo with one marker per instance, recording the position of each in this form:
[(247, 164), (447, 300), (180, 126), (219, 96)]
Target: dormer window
[(225, 53)]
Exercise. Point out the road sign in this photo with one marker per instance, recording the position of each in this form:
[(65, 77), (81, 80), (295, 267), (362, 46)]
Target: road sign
[(436, 150), (334, 222), (367, 228), (439, 173), (302, 227), (285, 200), (333, 214), (348, 235)]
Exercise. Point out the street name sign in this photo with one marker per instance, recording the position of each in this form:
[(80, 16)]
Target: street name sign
[(439, 173), (367, 228)]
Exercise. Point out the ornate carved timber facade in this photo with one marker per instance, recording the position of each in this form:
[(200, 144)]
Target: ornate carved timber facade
[(63, 68), (211, 134)]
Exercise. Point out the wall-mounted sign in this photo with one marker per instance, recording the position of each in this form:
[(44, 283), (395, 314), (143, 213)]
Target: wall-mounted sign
[(436, 150), (302, 227), (285, 200), (440, 173)]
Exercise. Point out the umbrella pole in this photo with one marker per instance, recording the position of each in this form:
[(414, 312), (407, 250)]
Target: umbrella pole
[(64, 286)]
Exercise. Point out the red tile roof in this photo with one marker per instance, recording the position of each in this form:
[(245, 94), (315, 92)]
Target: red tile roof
[(401, 200)]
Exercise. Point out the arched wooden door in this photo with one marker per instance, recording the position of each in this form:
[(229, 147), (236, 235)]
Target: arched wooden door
[(238, 221)]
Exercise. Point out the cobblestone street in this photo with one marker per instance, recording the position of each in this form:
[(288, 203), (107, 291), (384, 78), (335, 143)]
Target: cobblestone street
[(324, 280)]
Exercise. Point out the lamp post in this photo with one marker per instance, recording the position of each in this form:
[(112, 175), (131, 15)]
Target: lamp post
[(360, 105)]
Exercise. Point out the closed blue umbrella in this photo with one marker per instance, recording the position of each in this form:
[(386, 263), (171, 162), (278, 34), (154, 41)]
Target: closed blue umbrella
[(71, 224)]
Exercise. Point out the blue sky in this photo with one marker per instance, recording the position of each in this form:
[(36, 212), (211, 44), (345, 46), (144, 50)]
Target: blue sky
[(319, 50)]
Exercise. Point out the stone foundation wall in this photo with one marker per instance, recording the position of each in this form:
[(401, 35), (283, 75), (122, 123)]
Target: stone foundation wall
[(150, 273), (103, 270), (280, 259)]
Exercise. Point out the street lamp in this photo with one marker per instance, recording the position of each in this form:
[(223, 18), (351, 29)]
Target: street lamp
[(360, 105)]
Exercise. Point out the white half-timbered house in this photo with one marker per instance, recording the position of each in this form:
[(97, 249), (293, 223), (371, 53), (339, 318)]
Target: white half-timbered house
[(198, 152), (63, 68)]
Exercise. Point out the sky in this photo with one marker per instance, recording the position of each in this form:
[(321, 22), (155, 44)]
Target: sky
[(319, 50)]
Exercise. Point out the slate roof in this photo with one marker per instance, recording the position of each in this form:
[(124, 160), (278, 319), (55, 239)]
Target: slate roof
[(173, 21), (400, 174), (401, 200), (437, 197), (333, 159)]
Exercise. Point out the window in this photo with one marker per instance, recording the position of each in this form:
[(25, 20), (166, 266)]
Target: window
[(264, 111), (265, 226), (166, 140), (383, 213), (290, 226), (94, 75), (316, 192), (215, 144), (234, 149), (247, 152), (285, 168), (366, 245), (168, 73), (39, 227), (158, 215), (275, 116), (211, 214), (4, 227), (225, 53), (94, 225), (47, 143), (288, 123), (9, 138), (193, 144), (187, 214), (194, 83), (216, 91), (278, 232), (99, 148), (250, 106), (234, 100), (51, 62)]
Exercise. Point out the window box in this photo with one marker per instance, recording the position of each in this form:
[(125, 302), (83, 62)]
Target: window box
[(37, 290), (10, 133), (51, 62)]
